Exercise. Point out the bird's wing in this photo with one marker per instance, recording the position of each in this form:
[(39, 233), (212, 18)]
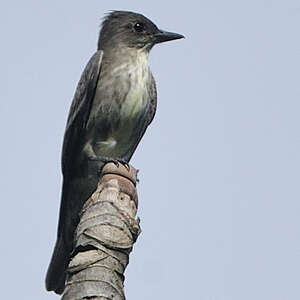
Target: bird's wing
[(81, 106), (153, 101)]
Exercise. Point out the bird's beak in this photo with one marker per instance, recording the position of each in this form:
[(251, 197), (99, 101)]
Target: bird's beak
[(164, 36)]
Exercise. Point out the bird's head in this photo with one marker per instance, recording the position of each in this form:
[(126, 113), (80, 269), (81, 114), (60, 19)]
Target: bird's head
[(129, 29)]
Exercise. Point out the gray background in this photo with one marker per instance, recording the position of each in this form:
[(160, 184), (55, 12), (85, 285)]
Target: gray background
[(219, 179)]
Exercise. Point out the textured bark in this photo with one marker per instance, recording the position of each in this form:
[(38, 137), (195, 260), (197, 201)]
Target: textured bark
[(104, 238)]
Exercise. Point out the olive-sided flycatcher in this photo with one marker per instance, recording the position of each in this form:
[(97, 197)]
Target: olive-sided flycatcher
[(114, 103)]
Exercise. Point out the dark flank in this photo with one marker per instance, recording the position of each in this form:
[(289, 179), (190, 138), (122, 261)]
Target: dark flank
[(114, 103)]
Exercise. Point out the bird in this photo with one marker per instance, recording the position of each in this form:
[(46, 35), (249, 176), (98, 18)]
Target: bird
[(113, 105)]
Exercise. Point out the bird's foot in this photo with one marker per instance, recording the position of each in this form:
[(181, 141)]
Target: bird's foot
[(116, 161)]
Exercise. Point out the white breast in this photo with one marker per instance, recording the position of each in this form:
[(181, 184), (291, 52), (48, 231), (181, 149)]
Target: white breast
[(139, 75), (131, 78)]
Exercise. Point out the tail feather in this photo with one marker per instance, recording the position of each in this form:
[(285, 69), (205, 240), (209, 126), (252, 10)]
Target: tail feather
[(74, 194), (56, 274)]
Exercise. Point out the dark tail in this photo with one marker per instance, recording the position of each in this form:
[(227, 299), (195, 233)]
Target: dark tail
[(74, 194), (56, 274)]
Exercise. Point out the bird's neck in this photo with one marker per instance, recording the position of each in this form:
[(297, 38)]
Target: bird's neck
[(136, 58)]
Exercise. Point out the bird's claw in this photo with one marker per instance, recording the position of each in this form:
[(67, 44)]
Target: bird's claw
[(118, 161), (115, 161), (124, 163)]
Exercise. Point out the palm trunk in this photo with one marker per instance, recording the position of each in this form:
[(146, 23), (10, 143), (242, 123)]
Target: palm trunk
[(104, 238)]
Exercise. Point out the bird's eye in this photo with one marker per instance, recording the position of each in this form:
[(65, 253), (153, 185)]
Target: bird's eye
[(139, 27)]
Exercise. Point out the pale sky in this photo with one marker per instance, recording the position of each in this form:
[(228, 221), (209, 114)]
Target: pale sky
[(219, 166)]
